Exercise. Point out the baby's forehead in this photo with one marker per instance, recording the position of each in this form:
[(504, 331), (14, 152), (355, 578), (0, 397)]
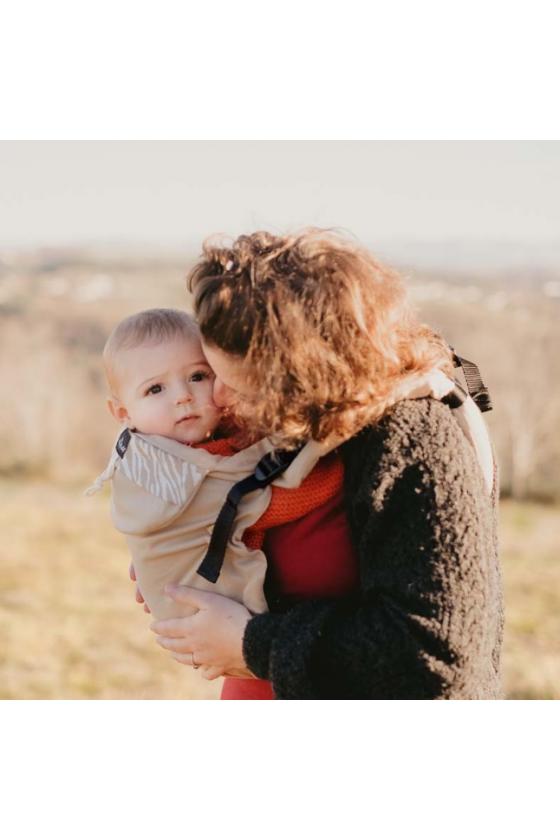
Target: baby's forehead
[(184, 345), (179, 351)]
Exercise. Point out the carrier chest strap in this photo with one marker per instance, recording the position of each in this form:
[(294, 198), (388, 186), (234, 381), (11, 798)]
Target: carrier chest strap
[(270, 467)]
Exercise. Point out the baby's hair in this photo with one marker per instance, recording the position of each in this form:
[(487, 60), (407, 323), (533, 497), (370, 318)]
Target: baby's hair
[(151, 326)]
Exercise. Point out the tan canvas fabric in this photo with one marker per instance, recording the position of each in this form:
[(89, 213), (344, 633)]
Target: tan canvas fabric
[(165, 499)]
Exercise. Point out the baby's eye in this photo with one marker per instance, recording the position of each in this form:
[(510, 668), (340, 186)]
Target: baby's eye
[(199, 376), (154, 389)]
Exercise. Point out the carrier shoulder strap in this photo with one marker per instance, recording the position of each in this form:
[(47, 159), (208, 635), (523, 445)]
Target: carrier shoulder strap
[(270, 467), (475, 386)]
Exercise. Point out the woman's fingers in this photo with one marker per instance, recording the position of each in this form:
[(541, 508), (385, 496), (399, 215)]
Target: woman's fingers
[(209, 672), (192, 597), (214, 632), (172, 628), (177, 645), (138, 594), (140, 600), (183, 658)]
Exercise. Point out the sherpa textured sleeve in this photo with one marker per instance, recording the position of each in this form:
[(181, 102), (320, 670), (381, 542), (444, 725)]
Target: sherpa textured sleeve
[(426, 623)]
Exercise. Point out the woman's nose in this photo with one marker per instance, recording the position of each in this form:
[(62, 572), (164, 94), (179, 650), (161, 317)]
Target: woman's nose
[(223, 396)]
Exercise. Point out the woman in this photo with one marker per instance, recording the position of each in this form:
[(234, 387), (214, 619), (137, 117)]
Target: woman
[(391, 588)]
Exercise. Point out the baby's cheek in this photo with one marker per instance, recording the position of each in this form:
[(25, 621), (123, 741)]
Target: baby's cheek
[(163, 420)]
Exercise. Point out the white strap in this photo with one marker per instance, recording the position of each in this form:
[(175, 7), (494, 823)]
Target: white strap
[(437, 385)]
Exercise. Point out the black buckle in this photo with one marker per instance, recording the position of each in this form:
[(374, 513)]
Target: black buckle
[(483, 400), (456, 397), (273, 464)]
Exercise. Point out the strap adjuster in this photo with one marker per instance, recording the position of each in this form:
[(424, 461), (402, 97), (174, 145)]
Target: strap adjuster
[(456, 397), (271, 465), (475, 386)]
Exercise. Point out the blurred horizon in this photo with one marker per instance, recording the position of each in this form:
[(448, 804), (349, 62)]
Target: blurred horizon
[(488, 200), (452, 253)]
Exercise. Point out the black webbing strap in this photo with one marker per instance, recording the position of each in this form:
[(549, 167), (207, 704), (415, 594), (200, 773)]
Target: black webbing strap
[(475, 386), (270, 467)]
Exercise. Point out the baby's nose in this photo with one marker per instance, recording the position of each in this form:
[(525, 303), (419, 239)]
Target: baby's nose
[(184, 397)]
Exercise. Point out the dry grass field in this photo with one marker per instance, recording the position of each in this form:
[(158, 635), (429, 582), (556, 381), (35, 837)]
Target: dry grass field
[(530, 541), (69, 626)]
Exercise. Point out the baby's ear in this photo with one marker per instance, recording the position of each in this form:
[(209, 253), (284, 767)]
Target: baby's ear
[(117, 409)]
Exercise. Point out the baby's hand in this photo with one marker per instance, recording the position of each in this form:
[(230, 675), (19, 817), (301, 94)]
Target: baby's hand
[(139, 598)]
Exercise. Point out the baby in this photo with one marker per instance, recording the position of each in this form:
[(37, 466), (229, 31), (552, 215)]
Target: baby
[(159, 380), (172, 467)]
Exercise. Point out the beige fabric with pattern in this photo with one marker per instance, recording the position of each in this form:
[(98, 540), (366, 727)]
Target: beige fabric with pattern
[(166, 497)]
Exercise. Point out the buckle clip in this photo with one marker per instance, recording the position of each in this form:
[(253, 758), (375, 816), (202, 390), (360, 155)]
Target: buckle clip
[(273, 464)]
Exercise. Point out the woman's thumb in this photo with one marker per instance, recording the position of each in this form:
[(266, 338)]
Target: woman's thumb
[(186, 595)]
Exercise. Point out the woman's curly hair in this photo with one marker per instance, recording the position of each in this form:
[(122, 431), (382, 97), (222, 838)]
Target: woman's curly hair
[(326, 332)]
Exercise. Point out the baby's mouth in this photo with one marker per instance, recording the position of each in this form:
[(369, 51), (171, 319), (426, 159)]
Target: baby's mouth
[(187, 419)]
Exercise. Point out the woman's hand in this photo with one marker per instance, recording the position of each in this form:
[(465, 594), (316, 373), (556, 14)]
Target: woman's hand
[(139, 598), (212, 637)]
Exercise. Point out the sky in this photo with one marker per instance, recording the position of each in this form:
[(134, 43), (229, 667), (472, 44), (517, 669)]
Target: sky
[(171, 194)]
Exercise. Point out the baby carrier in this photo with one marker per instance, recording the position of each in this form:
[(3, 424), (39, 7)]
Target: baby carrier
[(168, 500)]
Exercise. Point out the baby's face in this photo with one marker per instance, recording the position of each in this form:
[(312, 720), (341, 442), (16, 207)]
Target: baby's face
[(166, 390)]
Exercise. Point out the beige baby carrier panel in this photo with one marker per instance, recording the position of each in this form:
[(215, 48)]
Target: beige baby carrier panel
[(166, 497)]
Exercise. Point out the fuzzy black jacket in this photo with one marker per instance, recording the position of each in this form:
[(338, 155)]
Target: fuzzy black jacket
[(427, 621)]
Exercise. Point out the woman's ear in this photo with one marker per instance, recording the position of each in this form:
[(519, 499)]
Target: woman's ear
[(117, 409)]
